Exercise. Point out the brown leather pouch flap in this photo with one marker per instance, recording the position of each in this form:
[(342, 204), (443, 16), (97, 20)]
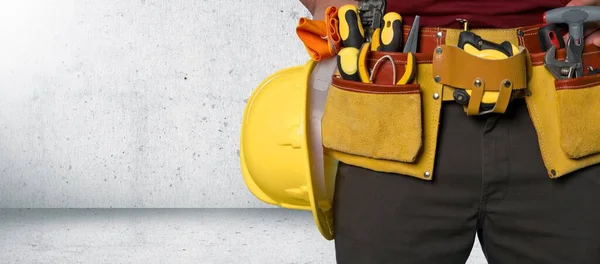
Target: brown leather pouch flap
[(458, 68)]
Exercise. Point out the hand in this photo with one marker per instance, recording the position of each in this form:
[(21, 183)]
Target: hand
[(591, 31)]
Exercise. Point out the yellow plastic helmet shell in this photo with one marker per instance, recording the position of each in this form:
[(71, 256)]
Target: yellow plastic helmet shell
[(278, 164)]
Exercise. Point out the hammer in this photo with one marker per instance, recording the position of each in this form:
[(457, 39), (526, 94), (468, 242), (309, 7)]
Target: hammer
[(574, 17)]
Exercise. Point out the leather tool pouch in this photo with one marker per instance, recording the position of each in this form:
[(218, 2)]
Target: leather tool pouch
[(394, 128), (566, 115), (374, 120), (384, 126), (504, 78)]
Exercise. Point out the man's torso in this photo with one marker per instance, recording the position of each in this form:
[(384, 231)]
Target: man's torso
[(479, 13)]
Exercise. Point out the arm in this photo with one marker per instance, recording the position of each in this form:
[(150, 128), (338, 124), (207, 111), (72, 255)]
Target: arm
[(317, 7)]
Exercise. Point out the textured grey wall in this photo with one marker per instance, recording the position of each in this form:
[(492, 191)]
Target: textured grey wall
[(133, 103), (148, 236)]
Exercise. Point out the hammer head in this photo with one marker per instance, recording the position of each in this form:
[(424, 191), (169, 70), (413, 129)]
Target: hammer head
[(574, 16)]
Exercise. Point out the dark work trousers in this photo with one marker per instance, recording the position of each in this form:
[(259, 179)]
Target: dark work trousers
[(489, 180)]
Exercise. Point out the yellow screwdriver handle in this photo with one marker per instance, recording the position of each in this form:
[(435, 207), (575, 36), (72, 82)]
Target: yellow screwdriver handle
[(391, 34), (347, 61), (350, 26)]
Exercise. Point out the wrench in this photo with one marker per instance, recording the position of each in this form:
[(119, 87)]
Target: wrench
[(560, 69), (575, 17)]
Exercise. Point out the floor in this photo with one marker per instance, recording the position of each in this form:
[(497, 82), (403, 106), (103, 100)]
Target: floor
[(165, 236)]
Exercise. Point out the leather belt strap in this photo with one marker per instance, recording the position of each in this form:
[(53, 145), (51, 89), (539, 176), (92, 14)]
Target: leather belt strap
[(430, 38)]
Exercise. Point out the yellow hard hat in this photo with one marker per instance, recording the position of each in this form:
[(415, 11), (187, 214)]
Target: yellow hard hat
[(282, 164)]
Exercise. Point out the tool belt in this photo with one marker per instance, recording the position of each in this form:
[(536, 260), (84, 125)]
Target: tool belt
[(393, 128)]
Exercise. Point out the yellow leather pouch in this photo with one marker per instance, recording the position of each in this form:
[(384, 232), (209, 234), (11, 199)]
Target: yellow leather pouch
[(383, 126), (566, 115), (373, 120), (392, 128), (578, 107)]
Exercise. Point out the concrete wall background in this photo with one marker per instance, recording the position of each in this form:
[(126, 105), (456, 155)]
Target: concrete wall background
[(133, 103)]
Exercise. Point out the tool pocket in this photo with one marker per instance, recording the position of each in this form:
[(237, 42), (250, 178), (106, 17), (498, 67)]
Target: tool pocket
[(373, 120), (578, 109), (566, 114)]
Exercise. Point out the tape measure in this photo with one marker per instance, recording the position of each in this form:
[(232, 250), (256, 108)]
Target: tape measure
[(475, 45)]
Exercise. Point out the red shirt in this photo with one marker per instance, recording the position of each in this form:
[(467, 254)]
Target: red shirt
[(479, 13)]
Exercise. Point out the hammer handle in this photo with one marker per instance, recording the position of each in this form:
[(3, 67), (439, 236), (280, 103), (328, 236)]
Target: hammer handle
[(549, 36)]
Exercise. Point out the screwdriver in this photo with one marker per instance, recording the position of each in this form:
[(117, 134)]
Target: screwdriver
[(347, 62), (350, 27), (391, 34)]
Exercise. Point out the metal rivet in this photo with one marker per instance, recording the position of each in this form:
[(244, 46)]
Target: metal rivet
[(437, 78), (438, 34), (427, 174), (438, 50), (507, 83), (553, 172), (520, 33), (477, 83), (436, 96)]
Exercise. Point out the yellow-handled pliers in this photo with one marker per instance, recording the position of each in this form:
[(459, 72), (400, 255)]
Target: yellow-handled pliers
[(411, 62), (410, 48)]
